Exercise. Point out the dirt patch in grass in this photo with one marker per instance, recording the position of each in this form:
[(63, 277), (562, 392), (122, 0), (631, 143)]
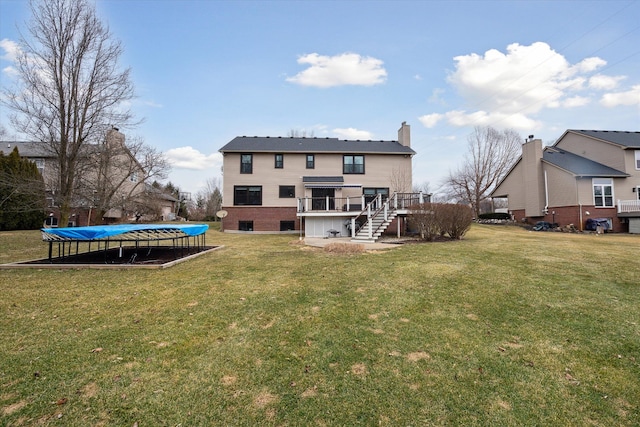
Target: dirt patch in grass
[(228, 379), (8, 410), (263, 399), (90, 390), (359, 369), (344, 248), (310, 392), (418, 355)]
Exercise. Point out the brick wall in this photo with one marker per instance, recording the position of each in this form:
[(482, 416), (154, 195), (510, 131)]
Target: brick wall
[(264, 218), (571, 215)]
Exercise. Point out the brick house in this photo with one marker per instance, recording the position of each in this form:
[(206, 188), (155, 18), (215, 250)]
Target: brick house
[(586, 174)]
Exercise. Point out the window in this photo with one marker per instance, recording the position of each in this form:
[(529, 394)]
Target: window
[(133, 177), (40, 165), (603, 192), (311, 161), (287, 225), (352, 164), (246, 163), (246, 195), (279, 160), (371, 193), (638, 159), (287, 191), (638, 192), (245, 225)]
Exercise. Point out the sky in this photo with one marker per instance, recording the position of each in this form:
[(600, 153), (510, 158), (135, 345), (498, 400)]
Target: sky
[(206, 71)]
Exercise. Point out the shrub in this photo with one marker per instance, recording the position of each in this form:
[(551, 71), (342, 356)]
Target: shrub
[(432, 220), (456, 220)]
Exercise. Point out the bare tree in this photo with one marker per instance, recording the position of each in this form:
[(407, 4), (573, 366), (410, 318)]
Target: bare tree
[(208, 200), (69, 89), (295, 133), (400, 180), (118, 172), (491, 153)]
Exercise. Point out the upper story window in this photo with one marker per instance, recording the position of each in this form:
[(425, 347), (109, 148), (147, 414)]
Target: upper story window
[(352, 164), (40, 165), (247, 195), (133, 177), (603, 192), (311, 161), (638, 159), (246, 163), (279, 161)]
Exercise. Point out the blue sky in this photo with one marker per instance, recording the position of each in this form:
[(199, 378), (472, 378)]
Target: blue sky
[(207, 71)]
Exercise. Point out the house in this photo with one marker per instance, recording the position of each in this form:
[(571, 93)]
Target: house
[(109, 177), (586, 174), (322, 186)]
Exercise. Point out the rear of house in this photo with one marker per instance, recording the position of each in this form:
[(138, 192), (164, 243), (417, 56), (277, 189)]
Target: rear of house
[(315, 185)]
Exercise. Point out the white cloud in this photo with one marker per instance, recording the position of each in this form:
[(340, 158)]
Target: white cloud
[(630, 97), (430, 120), (351, 133), (576, 101), (190, 158), (11, 50), (483, 118), (339, 70), (507, 89), (602, 82)]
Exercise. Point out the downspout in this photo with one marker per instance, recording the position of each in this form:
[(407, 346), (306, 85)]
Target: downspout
[(546, 193), (579, 204)]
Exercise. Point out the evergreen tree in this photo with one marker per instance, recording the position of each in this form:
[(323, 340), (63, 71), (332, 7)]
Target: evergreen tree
[(22, 194)]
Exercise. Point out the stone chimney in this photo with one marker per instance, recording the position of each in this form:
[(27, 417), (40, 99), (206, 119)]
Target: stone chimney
[(404, 134)]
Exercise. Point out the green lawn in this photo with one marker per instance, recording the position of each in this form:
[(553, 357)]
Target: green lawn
[(506, 327)]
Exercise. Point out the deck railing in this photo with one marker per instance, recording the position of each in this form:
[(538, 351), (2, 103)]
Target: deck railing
[(628, 206), (357, 203)]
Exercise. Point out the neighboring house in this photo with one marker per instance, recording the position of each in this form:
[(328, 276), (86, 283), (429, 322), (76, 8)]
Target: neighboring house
[(322, 186), (116, 174), (586, 174)]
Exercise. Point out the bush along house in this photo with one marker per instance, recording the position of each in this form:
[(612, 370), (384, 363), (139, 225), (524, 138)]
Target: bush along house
[(587, 177), (324, 187)]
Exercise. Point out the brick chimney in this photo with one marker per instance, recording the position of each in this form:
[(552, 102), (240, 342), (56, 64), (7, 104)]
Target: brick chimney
[(404, 134)]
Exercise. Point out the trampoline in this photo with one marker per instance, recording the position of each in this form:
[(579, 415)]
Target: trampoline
[(124, 243)]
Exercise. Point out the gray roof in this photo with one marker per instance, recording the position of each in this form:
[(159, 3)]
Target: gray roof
[(578, 165), (257, 144), (624, 139), (26, 149)]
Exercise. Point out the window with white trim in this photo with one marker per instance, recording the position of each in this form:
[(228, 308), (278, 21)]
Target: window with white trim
[(603, 192), (637, 159)]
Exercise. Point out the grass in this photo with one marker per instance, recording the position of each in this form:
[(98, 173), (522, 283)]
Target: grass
[(506, 327)]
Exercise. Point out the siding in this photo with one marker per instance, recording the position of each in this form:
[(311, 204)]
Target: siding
[(596, 150), (380, 171)]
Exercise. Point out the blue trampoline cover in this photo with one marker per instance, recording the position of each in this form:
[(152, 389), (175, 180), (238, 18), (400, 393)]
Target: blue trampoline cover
[(94, 232)]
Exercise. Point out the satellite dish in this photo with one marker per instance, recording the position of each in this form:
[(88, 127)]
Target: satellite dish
[(222, 214)]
